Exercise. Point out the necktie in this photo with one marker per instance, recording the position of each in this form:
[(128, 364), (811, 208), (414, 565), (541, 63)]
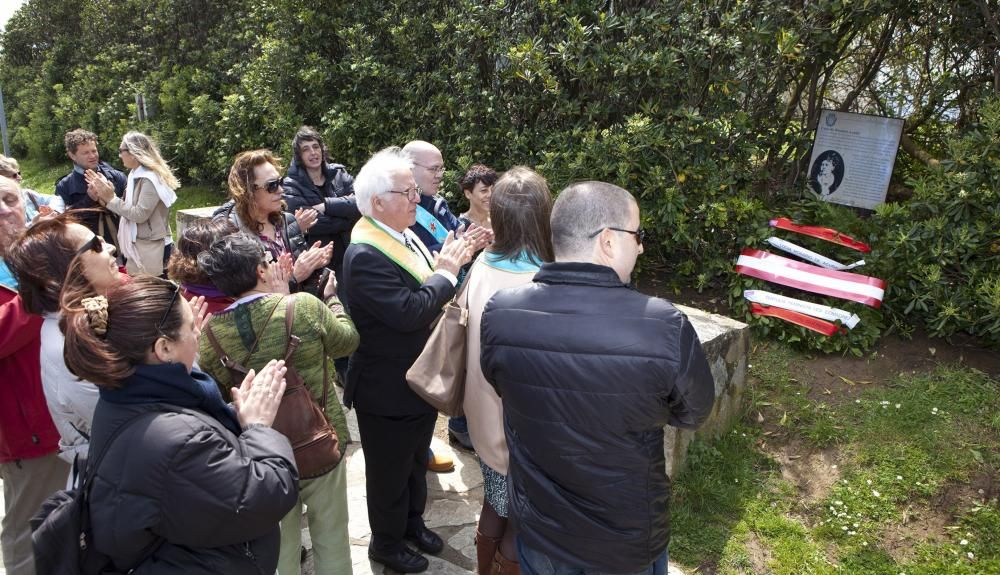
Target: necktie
[(409, 245)]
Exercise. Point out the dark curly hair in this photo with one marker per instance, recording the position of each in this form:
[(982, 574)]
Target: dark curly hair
[(197, 237), (475, 174)]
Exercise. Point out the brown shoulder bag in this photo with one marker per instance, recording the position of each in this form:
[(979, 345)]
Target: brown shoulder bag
[(299, 417)]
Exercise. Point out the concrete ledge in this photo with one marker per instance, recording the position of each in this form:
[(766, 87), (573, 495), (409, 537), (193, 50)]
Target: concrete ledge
[(186, 217), (727, 344)]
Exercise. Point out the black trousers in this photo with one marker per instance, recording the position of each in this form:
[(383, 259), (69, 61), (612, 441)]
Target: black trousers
[(395, 474)]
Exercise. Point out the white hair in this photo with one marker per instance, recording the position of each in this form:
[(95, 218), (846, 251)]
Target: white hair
[(375, 177)]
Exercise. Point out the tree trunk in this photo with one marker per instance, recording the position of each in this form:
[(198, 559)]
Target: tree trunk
[(916, 151)]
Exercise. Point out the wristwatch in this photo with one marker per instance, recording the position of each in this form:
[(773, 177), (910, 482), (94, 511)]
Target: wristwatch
[(254, 426)]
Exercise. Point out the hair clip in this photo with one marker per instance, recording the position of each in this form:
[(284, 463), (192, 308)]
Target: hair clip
[(97, 313)]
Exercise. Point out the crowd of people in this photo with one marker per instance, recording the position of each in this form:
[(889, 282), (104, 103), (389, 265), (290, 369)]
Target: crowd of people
[(199, 374)]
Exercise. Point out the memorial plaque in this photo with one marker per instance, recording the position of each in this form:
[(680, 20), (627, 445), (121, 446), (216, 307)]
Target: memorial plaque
[(852, 158)]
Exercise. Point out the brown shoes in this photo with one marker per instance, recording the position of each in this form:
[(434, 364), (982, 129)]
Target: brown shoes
[(440, 463)]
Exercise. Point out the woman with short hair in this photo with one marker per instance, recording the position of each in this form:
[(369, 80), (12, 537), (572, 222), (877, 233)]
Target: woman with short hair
[(238, 266), (183, 265), (190, 485), (519, 211), (477, 186), (314, 181)]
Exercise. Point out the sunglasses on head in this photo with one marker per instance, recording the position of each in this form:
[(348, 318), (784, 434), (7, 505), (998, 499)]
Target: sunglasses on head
[(170, 306), (96, 245)]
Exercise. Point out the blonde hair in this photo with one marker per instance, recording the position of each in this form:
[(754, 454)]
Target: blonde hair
[(146, 152), (8, 166)]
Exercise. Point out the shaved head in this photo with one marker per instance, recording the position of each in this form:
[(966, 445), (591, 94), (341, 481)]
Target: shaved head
[(428, 165)]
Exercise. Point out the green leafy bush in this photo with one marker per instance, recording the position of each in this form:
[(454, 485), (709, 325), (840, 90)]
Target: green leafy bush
[(681, 103), (940, 251)]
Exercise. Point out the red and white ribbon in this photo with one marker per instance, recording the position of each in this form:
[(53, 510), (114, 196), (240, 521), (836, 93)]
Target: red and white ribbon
[(807, 307), (787, 272), (828, 234), (807, 321), (809, 255)]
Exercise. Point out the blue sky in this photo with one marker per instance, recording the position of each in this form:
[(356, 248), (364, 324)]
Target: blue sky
[(7, 9)]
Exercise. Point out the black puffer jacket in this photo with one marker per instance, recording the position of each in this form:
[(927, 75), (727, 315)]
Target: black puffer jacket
[(340, 209), (589, 372), (207, 501)]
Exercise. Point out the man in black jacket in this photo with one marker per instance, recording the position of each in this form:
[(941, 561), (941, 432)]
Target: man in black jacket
[(394, 289), (590, 371), (315, 182), (77, 190)]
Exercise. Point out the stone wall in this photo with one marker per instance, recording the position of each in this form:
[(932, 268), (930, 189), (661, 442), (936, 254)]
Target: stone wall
[(727, 344), (185, 217)]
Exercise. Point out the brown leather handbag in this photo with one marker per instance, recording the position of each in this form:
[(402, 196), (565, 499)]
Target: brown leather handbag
[(299, 418), (438, 374)]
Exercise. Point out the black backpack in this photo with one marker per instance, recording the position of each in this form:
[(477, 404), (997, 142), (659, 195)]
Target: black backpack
[(61, 530)]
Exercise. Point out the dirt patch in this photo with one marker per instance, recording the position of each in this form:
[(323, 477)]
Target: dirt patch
[(759, 554), (918, 524), (930, 521), (836, 379), (814, 472)]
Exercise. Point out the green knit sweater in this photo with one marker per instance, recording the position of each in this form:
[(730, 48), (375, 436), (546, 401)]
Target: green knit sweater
[(326, 332)]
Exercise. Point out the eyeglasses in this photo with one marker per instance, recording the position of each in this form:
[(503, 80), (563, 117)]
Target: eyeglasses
[(272, 186), (122, 150), (411, 194), (435, 169), (170, 306), (640, 234), (96, 245)]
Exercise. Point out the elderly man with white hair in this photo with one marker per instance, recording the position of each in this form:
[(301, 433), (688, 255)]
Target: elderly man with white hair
[(394, 288)]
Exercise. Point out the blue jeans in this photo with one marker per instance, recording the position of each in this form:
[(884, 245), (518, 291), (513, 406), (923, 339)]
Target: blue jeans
[(535, 563)]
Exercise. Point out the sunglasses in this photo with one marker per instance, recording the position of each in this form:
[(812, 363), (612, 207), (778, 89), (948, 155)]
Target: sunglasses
[(272, 186), (170, 306), (640, 234), (96, 245)]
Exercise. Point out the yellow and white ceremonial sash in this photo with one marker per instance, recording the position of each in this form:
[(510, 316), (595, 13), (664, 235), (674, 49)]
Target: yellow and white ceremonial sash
[(416, 264)]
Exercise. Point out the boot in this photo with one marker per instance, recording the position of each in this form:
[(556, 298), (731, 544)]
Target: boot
[(486, 548), (504, 566)]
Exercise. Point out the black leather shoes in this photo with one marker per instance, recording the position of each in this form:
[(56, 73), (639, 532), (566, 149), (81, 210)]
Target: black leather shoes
[(405, 560), (426, 540)]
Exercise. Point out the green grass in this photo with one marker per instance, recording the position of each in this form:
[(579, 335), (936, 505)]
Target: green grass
[(42, 178), (910, 445)]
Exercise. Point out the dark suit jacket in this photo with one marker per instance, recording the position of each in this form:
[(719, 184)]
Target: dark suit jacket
[(393, 314), (72, 188)]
